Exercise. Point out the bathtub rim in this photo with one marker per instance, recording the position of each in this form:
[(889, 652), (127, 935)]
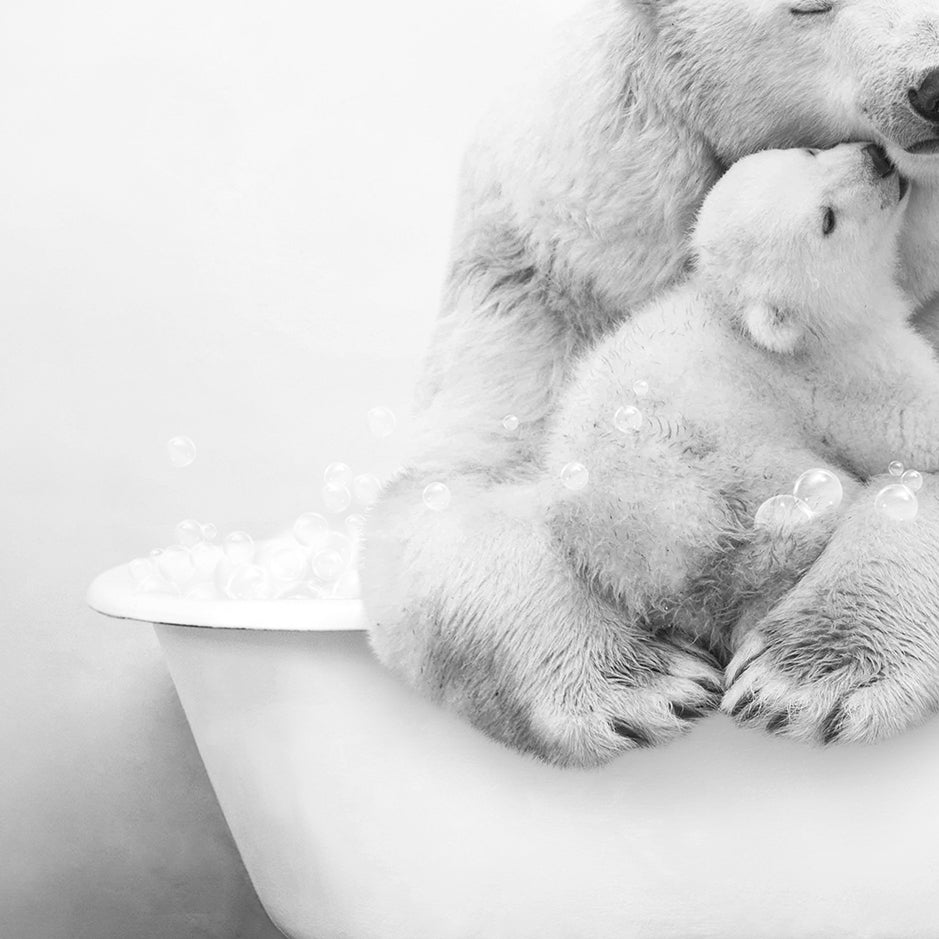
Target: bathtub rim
[(112, 593)]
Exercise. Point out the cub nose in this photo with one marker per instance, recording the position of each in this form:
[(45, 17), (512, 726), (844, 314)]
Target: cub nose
[(879, 160), (925, 99)]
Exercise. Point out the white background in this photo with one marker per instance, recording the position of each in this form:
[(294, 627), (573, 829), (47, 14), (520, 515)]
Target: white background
[(227, 220)]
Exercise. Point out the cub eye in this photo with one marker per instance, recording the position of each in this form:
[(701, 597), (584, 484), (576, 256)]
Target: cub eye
[(812, 9), (828, 221)]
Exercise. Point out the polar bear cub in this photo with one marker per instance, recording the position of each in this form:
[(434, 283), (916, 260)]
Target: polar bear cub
[(787, 349)]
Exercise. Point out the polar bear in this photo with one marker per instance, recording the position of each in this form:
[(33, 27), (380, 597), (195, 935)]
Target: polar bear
[(576, 203), (789, 349)]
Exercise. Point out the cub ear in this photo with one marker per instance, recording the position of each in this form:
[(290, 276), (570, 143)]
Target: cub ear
[(771, 327)]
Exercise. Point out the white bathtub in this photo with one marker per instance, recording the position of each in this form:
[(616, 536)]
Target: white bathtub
[(363, 812)]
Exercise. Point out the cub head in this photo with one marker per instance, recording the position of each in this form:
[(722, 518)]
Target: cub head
[(801, 245), (758, 74)]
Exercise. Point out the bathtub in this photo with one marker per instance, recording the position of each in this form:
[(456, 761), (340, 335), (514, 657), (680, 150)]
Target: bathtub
[(363, 812)]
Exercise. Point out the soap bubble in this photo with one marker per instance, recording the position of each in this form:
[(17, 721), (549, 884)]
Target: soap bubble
[(175, 564), (820, 489), (288, 563), (510, 423), (575, 476), (336, 500), (328, 564), (249, 582), (897, 502), (912, 480), (182, 451), (209, 532), (310, 590), (381, 421), (141, 570), (782, 513), (239, 547), (159, 585), (641, 388), (310, 529), (337, 476), (366, 488), (188, 533), (205, 558), (628, 419), (895, 468), (437, 496), (348, 586), (202, 592)]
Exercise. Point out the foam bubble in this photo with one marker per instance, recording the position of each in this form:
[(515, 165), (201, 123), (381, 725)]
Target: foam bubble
[(628, 419), (239, 547), (782, 513), (895, 468), (182, 451), (820, 489), (510, 423), (310, 529), (575, 476), (249, 582), (337, 476), (641, 388), (437, 496), (175, 564), (897, 502), (381, 421), (328, 564), (912, 480), (288, 564), (336, 500), (188, 532)]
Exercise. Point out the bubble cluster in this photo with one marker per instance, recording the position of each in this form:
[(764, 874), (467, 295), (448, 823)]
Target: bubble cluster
[(437, 496), (381, 421), (783, 513), (628, 419), (249, 582), (897, 501), (575, 476), (310, 529), (820, 489), (182, 451)]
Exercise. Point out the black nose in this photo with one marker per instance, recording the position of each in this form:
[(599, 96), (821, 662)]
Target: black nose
[(925, 99), (880, 160)]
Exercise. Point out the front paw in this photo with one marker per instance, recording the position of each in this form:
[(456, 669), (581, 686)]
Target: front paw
[(813, 681)]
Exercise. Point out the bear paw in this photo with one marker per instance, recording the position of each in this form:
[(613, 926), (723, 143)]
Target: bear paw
[(822, 691), (647, 703)]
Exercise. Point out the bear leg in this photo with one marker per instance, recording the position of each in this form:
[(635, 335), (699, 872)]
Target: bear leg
[(479, 607), (851, 653)]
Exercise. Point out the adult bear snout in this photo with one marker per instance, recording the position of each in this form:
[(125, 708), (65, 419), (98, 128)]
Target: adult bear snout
[(879, 159), (925, 99)]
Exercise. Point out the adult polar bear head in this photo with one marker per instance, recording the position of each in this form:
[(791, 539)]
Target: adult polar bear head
[(752, 74), (802, 244), (580, 191)]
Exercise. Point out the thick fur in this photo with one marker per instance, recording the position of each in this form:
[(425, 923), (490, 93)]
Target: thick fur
[(789, 349), (577, 201)]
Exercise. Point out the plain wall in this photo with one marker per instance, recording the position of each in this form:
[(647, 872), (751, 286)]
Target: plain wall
[(226, 220)]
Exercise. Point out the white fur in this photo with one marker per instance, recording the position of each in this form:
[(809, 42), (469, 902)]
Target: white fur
[(577, 201)]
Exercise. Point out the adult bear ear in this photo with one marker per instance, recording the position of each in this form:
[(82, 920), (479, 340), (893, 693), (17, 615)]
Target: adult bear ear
[(771, 327)]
